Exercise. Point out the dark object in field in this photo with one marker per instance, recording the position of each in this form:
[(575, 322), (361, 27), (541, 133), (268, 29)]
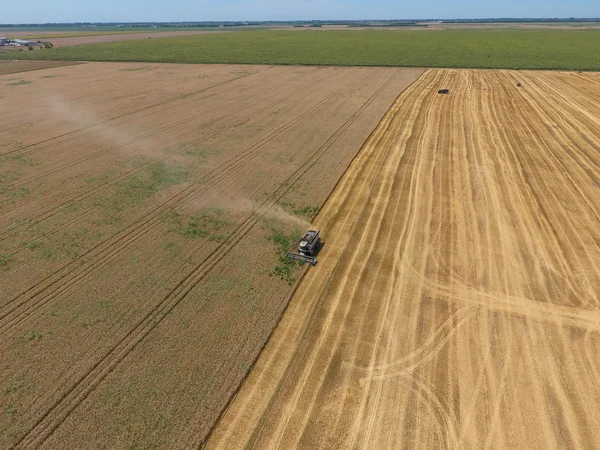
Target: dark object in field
[(444, 91), (309, 242), (518, 84), (308, 246)]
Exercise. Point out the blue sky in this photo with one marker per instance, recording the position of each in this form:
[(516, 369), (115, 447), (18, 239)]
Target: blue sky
[(37, 11)]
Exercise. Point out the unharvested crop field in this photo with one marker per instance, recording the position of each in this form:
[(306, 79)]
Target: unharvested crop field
[(525, 49), (143, 212), (456, 301)]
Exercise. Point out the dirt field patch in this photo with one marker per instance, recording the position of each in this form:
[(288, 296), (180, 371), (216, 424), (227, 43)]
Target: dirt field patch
[(142, 211), (456, 303), (100, 39), (8, 67)]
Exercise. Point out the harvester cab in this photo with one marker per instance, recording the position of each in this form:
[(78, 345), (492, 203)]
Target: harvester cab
[(307, 247)]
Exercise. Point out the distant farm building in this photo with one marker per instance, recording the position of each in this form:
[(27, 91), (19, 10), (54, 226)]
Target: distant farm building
[(5, 42), (26, 43)]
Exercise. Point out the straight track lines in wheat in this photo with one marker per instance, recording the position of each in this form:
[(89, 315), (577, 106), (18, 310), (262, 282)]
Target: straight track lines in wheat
[(426, 151), (277, 413), (175, 296), (383, 236), (145, 108), (109, 183), (522, 159), (392, 210), (347, 124), (419, 214), (61, 165), (362, 161), (504, 294), (581, 135), (150, 219)]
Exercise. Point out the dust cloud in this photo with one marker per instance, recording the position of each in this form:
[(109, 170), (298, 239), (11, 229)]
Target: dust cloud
[(101, 128), (238, 204), (118, 136)]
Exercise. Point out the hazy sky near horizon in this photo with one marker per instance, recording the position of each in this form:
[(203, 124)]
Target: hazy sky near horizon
[(37, 11)]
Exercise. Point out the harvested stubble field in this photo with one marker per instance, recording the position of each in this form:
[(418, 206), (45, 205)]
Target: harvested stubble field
[(456, 303), (143, 211)]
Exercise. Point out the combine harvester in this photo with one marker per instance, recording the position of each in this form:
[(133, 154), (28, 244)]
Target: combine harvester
[(307, 247)]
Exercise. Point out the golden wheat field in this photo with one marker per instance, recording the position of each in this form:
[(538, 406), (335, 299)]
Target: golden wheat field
[(456, 300), (139, 209)]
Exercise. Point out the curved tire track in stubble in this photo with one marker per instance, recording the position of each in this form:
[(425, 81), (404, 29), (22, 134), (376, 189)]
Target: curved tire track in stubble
[(372, 161), (309, 309), (111, 246), (531, 161), (36, 220), (52, 419), (443, 418)]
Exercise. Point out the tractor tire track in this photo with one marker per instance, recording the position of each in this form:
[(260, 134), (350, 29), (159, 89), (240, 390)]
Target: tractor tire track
[(63, 407), (108, 248), (454, 305), (111, 119), (36, 220)]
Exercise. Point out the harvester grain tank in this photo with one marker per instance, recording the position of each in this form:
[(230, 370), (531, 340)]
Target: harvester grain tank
[(309, 242), (307, 247)]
